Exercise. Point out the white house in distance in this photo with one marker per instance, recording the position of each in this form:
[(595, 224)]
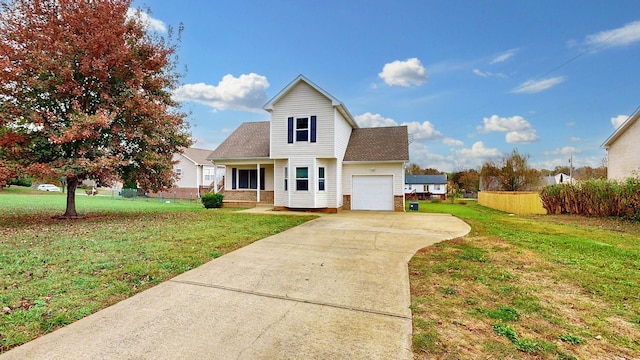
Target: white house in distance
[(426, 186), (195, 174), (623, 149), (560, 178), (312, 155)]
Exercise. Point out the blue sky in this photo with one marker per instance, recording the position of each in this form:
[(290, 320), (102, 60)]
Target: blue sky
[(471, 79)]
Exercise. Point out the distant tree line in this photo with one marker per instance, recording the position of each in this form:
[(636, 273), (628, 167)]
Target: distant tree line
[(512, 172)]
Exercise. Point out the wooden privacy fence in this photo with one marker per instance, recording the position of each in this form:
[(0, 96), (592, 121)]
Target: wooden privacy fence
[(515, 202)]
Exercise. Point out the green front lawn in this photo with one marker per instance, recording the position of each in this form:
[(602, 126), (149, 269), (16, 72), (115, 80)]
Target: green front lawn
[(54, 272), (551, 287)]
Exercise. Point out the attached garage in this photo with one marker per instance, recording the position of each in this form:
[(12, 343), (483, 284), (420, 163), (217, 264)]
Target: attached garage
[(372, 192)]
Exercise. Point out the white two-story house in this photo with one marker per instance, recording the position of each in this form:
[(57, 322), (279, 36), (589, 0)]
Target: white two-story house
[(312, 155)]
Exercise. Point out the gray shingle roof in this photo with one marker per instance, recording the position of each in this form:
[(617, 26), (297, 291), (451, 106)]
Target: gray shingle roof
[(425, 179), (378, 144), (250, 140)]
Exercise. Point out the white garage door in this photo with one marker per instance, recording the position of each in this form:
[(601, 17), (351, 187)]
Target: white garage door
[(372, 192)]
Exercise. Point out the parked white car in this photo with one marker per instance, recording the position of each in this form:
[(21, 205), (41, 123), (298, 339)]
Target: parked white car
[(48, 187)]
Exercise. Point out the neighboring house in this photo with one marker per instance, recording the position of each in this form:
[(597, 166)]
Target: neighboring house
[(623, 149), (425, 187), (560, 178), (196, 174), (313, 156)]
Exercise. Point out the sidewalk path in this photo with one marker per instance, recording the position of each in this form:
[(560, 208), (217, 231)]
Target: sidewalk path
[(333, 288)]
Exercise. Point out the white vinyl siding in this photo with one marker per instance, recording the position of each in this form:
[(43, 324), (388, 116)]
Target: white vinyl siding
[(281, 197), (305, 198), (624, 157), (343, 133), (302, 101), (187, 172)]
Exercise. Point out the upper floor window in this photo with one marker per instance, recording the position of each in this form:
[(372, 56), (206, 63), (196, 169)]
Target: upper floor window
[(178, 171), (302, 129)]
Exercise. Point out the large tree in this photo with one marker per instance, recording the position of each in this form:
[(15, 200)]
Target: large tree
[(85, 92), (511, 173)]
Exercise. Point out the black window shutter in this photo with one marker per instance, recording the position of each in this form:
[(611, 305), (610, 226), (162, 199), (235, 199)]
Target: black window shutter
[(261, 178), (290, 131), (313, 129), (233, 177)]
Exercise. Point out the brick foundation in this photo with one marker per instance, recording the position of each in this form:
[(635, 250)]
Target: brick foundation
[(266, 196), (398, 203), (346, 202)]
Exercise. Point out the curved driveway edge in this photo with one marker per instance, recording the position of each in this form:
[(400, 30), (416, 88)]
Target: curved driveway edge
[(336, 287)]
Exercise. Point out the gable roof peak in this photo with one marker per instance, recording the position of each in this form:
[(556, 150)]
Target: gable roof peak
[(301, 78), (631, 119)]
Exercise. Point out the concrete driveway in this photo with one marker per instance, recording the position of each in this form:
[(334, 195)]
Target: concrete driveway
[(334, 288)]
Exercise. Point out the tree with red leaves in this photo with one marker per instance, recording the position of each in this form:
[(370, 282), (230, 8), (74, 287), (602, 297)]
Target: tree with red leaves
[(85, 92)]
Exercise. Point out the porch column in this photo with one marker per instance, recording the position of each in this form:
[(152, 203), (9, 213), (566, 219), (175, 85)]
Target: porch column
[(258, 187)]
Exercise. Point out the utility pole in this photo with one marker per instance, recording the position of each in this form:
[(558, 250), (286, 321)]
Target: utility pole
[(571, 169)]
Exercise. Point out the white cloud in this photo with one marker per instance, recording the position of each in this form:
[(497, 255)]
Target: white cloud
[(488, 74), (404, 73), (480, 73), (567, 150), (518, 130), (570, 123), (618, 120), (424, 131), (452, 142), (152, 24), (420, 154), (477, 152), (504, 56), (418, 131), (621, 36), (534, 86), (368, 119), (244, 93), (575, 139)]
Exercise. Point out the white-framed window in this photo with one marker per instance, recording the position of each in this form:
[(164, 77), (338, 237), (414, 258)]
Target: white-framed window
[(208, 175), (436, 187), (302, 129), (302, 178), (286, 178), (321, 179), (178, 171)]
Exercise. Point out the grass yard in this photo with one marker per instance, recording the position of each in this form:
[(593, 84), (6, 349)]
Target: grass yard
[(54, 272), (528, 287)]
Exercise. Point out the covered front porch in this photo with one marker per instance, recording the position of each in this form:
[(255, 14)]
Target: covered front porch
[(248, 184)]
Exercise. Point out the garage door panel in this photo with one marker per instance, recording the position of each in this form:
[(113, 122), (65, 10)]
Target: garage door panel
[(372, 192)]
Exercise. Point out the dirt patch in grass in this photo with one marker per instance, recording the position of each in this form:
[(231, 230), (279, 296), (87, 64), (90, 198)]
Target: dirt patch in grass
[(470, 292)]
